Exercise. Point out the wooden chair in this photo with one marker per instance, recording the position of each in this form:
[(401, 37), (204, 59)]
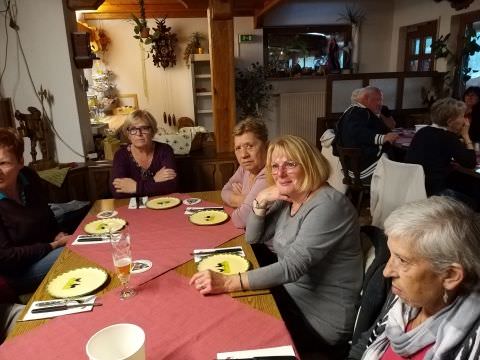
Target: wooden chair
[(351, 159)]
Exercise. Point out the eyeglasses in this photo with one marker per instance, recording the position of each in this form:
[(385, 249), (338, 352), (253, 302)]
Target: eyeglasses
[(141, 129), (289, 167)]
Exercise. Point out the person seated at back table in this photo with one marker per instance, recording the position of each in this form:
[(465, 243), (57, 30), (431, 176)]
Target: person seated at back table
[(318, 275), (250, 138), (29, 238), (361, 127), (144, 167), (471, 97), (435, 146), (433, 309)]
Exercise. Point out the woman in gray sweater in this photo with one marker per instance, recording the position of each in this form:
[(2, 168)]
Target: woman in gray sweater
[(315, 235)]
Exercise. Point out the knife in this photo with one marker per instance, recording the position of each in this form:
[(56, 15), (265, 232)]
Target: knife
[(61, 307), (219, 251), (91, 239)]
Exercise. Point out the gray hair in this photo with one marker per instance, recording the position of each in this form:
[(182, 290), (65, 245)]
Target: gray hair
[(446, 109), (255, 126), (140, 115), (443, 231), (356, 95)]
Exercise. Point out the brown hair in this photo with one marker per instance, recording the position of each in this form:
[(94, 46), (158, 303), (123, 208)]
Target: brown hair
[(142, 115), (11, 140), (256, 127), (315, 167)]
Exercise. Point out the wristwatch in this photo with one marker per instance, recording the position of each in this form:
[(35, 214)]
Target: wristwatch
[(256, 205)]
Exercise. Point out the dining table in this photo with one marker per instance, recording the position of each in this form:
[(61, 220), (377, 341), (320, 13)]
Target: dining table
[(179, 322)]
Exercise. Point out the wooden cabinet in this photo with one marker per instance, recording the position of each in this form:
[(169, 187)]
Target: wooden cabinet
[(202, 90)]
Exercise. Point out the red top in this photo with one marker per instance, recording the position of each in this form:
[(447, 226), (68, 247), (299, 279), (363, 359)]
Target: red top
[(419, 355)]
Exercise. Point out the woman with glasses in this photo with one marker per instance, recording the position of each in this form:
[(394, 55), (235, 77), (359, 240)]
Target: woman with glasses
[(250, 143), (317, 278), (144, 167)]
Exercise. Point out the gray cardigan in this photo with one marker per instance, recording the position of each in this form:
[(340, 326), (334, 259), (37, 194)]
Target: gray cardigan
[(319, 259)]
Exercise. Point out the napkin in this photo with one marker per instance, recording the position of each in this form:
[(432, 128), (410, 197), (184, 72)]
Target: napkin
[(189, 210), (199, 254), (87, 300), (274, 351)]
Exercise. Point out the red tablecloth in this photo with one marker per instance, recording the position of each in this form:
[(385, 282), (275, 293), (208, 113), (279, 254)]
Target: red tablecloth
[(179, 324), (166, 237)]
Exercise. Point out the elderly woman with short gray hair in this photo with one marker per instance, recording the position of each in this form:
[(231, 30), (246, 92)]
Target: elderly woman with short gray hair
[(435, 146), (433, 311)]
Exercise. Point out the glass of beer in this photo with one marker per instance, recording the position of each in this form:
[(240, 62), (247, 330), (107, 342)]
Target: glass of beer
[(122, 259)]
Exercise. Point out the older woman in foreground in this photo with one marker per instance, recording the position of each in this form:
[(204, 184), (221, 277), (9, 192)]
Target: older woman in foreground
[(316, 237), (250, 138), (144, 167), (434, 311)]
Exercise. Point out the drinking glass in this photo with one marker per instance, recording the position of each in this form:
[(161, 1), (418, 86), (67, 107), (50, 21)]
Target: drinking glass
[(122, 259)]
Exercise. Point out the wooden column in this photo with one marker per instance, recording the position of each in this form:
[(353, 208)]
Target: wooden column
[(222, 64)]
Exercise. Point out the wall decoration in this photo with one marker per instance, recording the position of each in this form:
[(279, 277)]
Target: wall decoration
[(162, 43)]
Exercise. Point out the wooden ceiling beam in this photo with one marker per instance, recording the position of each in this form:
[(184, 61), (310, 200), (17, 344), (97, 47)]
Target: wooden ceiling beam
[(84, 4), (150, 15)]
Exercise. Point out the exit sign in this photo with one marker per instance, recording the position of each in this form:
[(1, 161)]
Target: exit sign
[(246, 37)]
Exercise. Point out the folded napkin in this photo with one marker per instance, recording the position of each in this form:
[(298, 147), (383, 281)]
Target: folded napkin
[(245, 354), (88, 301)]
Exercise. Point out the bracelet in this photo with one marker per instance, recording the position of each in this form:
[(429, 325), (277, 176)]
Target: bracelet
[(256, 205), (241, 282)]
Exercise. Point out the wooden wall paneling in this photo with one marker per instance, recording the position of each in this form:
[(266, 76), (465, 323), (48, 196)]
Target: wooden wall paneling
[(223, 72)]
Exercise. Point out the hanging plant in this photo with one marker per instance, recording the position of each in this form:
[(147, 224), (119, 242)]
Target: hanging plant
[(352, 15), (193, 47), (140, 29), (252, 91), (162, 45)]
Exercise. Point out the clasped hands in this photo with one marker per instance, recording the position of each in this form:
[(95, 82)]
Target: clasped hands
[(129, 186)]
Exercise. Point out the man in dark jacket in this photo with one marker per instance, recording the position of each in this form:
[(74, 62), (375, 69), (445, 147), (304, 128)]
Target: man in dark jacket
[(361, 127)]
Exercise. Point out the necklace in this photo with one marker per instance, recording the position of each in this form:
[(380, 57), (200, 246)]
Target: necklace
[(293, 213)]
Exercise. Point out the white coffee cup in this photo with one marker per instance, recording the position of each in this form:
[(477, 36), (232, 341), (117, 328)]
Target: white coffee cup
[(117, 342)]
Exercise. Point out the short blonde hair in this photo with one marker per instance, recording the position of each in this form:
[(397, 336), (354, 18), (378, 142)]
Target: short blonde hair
[(140, 115), (315, 167), (445, 109), (256, 127)]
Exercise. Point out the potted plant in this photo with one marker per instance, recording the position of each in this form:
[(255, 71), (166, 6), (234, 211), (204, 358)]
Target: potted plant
[(140, 29), (193, 47), (354, 16), (252, 91)]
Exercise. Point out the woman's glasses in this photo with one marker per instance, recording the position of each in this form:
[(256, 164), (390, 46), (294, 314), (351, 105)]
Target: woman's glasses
[(140, 129), (289, 167)]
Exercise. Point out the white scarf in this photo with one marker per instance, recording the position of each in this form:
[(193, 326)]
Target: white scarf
[(446, 329)]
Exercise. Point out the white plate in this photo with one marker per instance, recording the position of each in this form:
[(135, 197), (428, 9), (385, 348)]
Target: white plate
[(226, 264), (162, 203), (77, 282), (104, 225), (209, 217)]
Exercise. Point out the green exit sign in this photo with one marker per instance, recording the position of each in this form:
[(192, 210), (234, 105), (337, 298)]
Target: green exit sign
[(246, 37)]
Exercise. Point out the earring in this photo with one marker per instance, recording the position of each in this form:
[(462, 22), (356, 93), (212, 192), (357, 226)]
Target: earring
[(445, 297)]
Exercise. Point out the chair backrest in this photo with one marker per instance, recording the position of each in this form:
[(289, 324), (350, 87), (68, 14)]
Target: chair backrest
[(351, 165), (389, 175)]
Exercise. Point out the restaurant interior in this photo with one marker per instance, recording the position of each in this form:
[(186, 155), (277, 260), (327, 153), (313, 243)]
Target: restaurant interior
[(71, 72)]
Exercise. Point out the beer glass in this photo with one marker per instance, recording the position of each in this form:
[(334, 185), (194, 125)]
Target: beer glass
[(122, 259)]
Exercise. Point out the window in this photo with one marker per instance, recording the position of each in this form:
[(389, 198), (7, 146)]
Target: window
[(306, 50), (418, 49)]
